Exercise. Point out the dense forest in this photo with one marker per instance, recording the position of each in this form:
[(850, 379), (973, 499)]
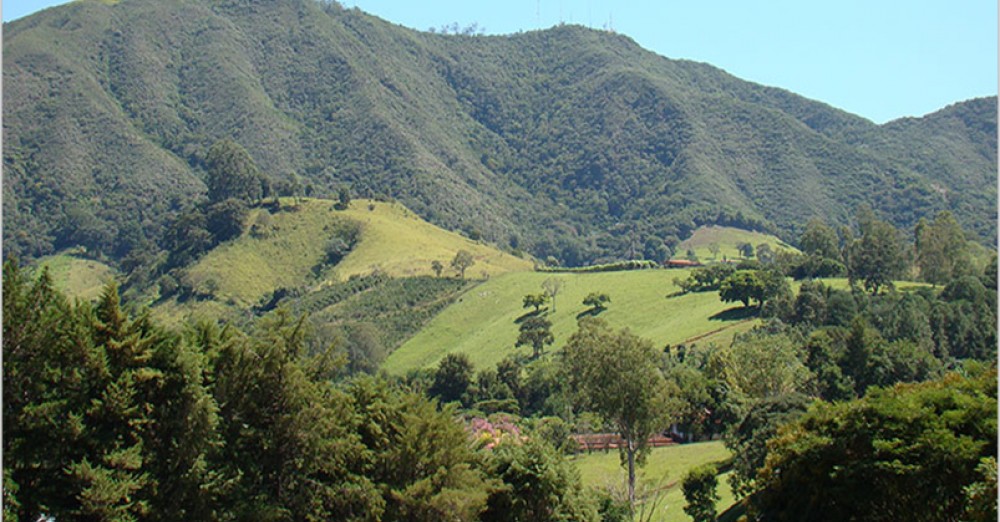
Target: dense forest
[(568, 142)]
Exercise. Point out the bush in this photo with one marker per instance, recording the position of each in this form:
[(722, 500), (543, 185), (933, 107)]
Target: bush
[(699, 487), (634, 264)]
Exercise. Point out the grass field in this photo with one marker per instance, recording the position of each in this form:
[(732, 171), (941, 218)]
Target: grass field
[(482, 322), (664, 469), (77, 277), (392, 239), (727, 238)]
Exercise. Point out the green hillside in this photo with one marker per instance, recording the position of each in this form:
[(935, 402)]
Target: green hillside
[(482, 324), (567, 142), (727, 239), (289, 254), (77, 277)]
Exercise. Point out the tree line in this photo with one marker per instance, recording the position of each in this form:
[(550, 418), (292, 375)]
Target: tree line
[(110, 416)]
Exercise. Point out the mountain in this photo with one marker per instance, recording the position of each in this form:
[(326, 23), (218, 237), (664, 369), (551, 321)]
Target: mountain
[(567, 142)]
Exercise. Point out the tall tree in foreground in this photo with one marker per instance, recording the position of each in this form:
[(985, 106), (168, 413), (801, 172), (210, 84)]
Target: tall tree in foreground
[(616, 375)]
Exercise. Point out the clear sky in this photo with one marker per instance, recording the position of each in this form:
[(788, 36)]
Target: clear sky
[(881, 59)]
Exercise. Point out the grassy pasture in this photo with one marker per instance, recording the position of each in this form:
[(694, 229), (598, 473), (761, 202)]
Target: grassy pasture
[(482, 322), (664, 469), (727, 238), (291, 251), (77, 277)]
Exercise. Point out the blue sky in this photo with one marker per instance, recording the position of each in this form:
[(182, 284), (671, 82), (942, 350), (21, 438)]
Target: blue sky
[(881, 59)]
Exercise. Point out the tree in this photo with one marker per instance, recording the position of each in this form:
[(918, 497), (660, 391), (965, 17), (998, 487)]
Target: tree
[(552, 286), (225, 219), (765, 254), (291, 451), (343, 198), (699, 488), (536, 483), (759, 365), (462, 261), (903, 453), (596, 301), (452, 379), (616, 375), (418, 456), (535, 331), (437, 267), (81, 436), (745, 249), (747, 439), (535, 300), (714, 249), (939, 246), (743, 286), (232, 173), (335, 250), (877, 257), (820, 240)]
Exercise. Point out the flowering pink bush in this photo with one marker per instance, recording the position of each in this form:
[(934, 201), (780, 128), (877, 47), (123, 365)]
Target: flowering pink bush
[(488, 435)]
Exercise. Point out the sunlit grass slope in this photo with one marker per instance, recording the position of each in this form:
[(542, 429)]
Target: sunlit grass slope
[(392, 240), (77, 277), (727, 238), (664, 469), (398, 242), (482, 322)]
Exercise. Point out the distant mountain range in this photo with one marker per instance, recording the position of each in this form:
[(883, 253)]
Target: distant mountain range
[(568, 142)]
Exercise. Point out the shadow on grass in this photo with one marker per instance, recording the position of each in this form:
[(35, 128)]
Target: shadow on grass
[(590, 312), (737, 313), (531, 313)]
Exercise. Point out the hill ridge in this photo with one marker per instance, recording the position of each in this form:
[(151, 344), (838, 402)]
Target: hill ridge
[(567, 142)]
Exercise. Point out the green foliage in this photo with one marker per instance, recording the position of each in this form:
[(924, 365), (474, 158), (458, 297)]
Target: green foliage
[(615, 374), (743, 286), (419, 455), (343, 198), (508, 126), (877, 257), (453, 379), (759, 365), (535, 300), (462, 261), (598, 302), (537, 332), (110, 417), (707, 279), (536, 483), (700, 493), (820, 240), (940, 248), (603, 267), (911, 442), (232, 173), (80, 437), (224, 220)]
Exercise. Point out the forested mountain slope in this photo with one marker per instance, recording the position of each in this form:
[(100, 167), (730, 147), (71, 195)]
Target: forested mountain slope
[(568, 142)]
